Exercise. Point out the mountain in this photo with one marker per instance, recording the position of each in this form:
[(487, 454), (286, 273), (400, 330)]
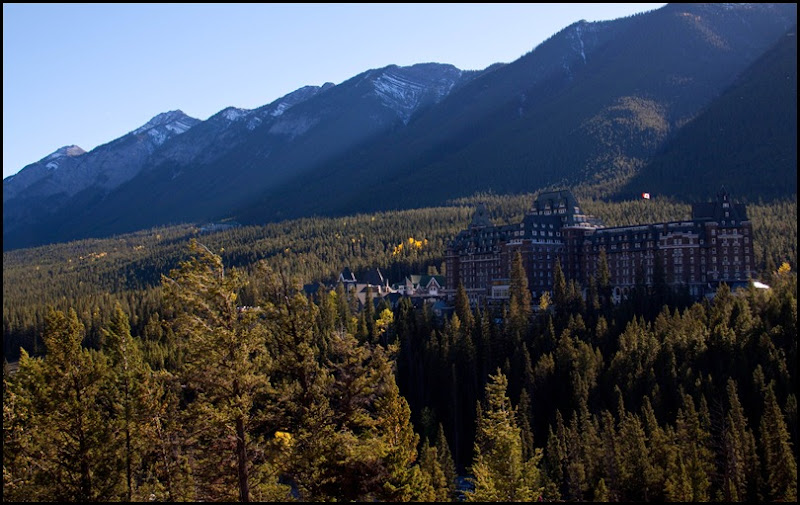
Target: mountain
[(35, 199), (69, 171), (233, 156), (747, 138), (593, 104), (64, 158)]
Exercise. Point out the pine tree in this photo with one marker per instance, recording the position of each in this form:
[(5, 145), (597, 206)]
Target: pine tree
[(559, 287), (659, 447), (634, 464), (678, 486), (556, 454), (295, 408), (226, 365), (696, 458), (600, 492), (328, 312), (741, 465), (593, 300), (17, 462), (603, 276), (519, 305), (446, 461), (404, 480), (576, 478), (342, 308), (610, 463), (71, 441), (779, 463), (524, 413), (134, 393), (362, 329), (432, 470), (369, 315), (500, 472), (463, 309)]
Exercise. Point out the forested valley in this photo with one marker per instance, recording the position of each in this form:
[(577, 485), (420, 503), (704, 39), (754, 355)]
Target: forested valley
[(173, 365)]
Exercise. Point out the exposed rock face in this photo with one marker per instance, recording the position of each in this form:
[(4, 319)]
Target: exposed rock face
[(594, 102), (70, 169)]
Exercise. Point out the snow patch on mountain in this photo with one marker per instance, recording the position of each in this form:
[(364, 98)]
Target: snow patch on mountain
[(174, 121), (405, 89), (235, 114), (177, 127), (404, 95), (279, 109), (158, 136), (580, 40), (399, 94), (54, 158), (253, 123)]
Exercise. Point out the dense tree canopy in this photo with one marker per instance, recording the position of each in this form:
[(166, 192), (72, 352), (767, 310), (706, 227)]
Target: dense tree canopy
[(225, 380)]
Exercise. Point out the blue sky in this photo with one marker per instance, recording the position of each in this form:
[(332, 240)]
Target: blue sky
[(86, 74)]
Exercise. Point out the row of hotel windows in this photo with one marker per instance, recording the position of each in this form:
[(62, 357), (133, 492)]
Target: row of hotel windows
[(677, 260), (536, 225), (536, 233), (639, 245), (619, 238), (625, 276), (734, 231)]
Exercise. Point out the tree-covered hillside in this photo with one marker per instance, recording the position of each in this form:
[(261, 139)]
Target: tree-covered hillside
[(310, 398), (746, 138), (93, 275)]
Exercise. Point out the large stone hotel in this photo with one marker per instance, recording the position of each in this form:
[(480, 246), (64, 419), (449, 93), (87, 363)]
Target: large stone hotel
[(715, 246)]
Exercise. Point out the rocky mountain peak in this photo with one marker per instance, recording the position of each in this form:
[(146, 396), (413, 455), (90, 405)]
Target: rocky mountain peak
[(70, 151), (405, 89), (174, 120), (166, 125)]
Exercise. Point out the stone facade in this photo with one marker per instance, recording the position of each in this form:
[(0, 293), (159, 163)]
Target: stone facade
[(715, 246)]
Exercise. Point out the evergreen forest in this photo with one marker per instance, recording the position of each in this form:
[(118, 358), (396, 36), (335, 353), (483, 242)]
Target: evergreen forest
[(175, 364)]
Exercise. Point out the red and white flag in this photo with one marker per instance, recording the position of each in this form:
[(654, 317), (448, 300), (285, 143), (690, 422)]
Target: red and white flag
[(646, 196)]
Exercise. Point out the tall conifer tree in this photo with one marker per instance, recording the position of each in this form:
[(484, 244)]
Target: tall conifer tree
[(779, 462), (501, 473), (226, 365)]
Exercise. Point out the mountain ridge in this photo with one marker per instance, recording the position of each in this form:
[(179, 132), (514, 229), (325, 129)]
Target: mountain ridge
[(591, 104)]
